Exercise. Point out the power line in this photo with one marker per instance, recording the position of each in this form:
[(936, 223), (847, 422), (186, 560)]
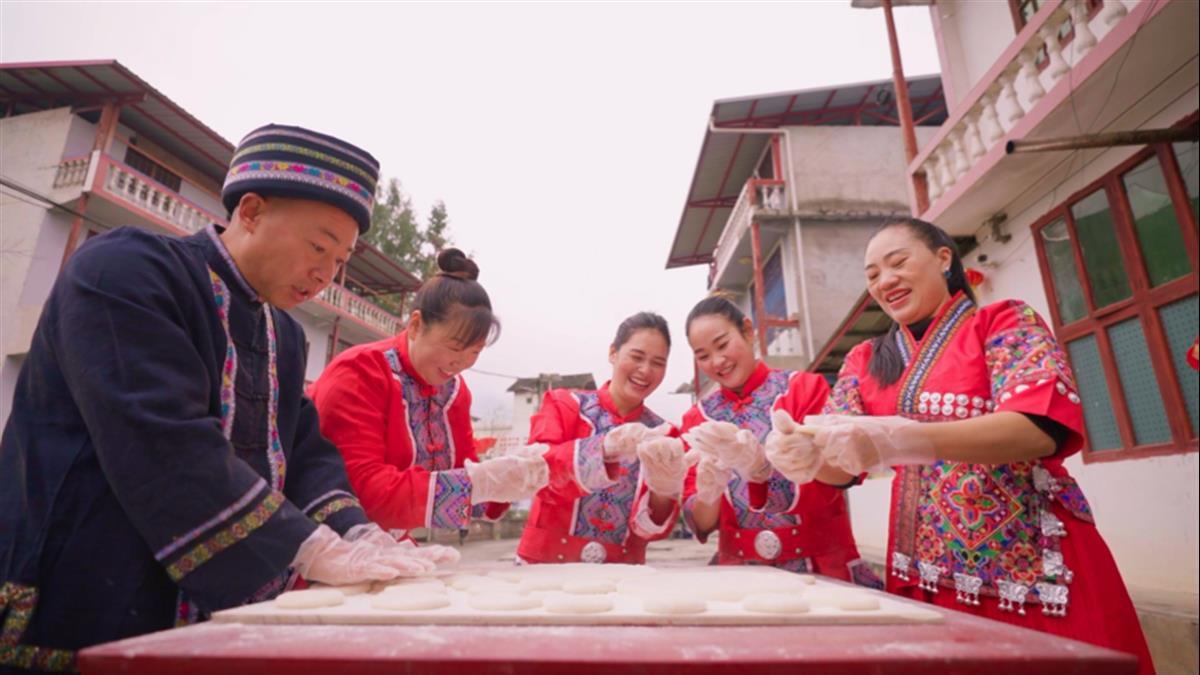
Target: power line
[(485, 372), (29, 192)]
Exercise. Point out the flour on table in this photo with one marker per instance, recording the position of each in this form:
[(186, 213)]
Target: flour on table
[(414, 600)]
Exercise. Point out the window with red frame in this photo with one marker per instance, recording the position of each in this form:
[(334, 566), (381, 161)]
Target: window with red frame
[(1119, 263)]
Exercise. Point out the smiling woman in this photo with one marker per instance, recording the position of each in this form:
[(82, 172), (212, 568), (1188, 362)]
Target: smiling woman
[(615, 472), (400, 413)]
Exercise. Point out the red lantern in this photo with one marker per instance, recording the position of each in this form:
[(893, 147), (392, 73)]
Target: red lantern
[(1193, 355), (974, 277)]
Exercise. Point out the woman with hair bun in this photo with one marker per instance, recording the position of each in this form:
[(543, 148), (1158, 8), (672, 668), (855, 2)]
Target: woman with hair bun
[(764, 518), (400, 413), (976, 409), (616, 473)]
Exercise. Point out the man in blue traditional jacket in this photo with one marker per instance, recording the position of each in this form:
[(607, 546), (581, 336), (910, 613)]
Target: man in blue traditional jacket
[(161, 461)]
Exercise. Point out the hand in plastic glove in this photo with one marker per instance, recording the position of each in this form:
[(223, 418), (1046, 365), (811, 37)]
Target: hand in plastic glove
[(531, 450), (735, 448), (663, 467), (621, 443), (435, 553), (711, 477), (329, 559), (432, 554), (507, 479), (791, 450), (856, 444)]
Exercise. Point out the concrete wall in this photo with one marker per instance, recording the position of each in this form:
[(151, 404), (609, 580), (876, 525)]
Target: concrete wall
[(317, 332), (973, 35), (833, 261), (847, 169), (30, 149)]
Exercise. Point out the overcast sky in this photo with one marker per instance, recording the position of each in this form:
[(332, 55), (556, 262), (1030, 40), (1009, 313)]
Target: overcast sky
[(562, 137)]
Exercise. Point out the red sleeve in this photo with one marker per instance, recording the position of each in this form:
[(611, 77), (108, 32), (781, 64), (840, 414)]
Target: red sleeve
[(352, 398), (556, 425), (845, 398), (1028, 370)]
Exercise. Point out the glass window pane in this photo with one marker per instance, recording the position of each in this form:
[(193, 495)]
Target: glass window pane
[(775, 298), (1142, 395), (1101, 252), (1056, 239), (1093, 388), (1157, 227), (1179, 321), (1187, 155)]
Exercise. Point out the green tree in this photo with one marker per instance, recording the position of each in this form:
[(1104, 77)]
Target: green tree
[(435, 237), (396, 232)]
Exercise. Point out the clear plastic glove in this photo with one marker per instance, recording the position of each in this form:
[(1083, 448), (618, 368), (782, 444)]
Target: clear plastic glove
[(433, 554), (735, 448), (711, 477), (329, 559), (437, 554), (507, 479), (663, 467), (531, 450), (856, 444), (791, 450), (621, 442)]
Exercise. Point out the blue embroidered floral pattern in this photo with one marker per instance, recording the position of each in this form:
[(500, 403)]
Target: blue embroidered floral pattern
[(604, 514)]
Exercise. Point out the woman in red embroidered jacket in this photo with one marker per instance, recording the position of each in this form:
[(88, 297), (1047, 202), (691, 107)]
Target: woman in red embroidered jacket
[(764, 518), (400, 413), (977, 409), (616, 475)]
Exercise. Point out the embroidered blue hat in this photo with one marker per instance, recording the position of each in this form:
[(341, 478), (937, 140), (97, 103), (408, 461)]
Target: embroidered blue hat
[(295, 162)]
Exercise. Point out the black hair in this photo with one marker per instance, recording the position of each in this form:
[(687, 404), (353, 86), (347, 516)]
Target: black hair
[(886, 364), (454, 294), (641, 321), (717, 305)]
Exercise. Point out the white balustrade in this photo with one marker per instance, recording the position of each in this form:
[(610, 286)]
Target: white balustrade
[(1031, 90), (342, 299), (154, 199), (1084, 39), (735, 229), (71, 172), (1016, 90)]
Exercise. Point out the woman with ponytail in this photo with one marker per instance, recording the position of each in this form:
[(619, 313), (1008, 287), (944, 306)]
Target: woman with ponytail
[(976, 410), (400, 413), (763, 517)]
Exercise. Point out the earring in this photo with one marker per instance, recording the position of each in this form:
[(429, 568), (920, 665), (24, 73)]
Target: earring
[(946, 274)]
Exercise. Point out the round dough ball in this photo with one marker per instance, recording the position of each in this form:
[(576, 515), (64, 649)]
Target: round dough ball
[(484, 588), (352, 589), (578, 604), (539, 583), (464, 582), (423, 587), (415, 600), (502, 602), (310, 598), (673, 604), (771, 603), (589, 586)]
